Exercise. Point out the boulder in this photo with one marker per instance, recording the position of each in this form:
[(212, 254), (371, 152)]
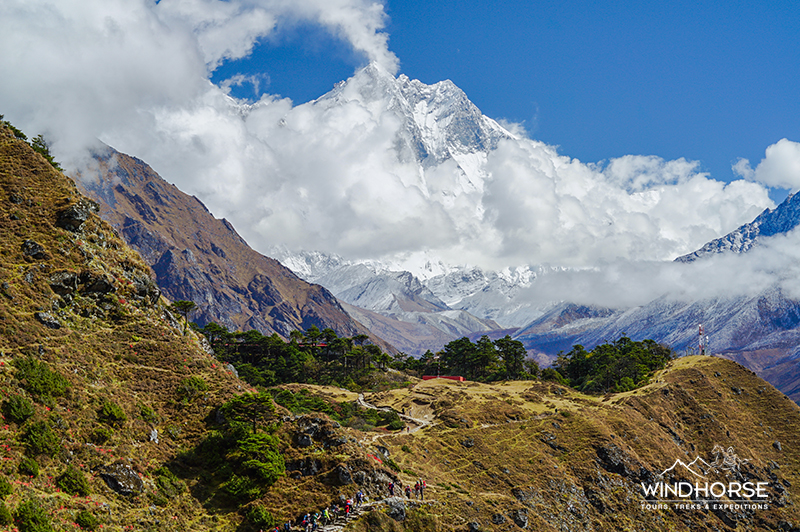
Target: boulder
[(396, 508), (73, 217), (47, 319), (34, 250), (96, 283), (145, 288), (122, 479), (64, 282), (498, 519), (343, 475), (520, 517)]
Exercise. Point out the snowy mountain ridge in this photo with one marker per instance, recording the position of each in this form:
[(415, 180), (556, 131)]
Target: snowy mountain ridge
[(780, 220)]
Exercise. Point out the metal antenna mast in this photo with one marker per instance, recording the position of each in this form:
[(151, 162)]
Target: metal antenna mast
[(702, 341)]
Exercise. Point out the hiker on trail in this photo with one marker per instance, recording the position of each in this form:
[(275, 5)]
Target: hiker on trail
[(287, 526), (422, 486), (326, 517), (359, 498), (391, 489), (347, 510), (408, 492), (416, 490)]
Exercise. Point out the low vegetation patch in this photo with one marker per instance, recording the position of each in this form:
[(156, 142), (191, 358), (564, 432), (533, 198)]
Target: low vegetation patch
[(30, 517), (73, 481), (112, 414), (38, 379), (87, 520), (18, 409), (39, 438)]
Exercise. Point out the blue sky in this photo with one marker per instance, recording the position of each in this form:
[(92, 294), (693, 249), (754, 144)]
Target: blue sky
[(709, 81)]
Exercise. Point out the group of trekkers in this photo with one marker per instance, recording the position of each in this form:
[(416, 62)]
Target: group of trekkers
[(419, 489), (311, 522)]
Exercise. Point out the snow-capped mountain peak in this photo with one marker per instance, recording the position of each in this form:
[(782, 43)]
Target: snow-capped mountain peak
[(438, 122)]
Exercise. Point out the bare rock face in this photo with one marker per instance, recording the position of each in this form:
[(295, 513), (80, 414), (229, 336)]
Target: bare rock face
[(199, 258), (48, 320), (122, 479)]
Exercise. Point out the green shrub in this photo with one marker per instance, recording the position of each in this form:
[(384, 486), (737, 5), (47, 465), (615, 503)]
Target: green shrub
[(73, 481), (101, 435), (5, 515), (28, 467), (112, 414), (5, 488), (18, 409), (259, 453), (148, 414), (392, 464), (87, 520), (405, 448), (39, 438), (396, 425), (192, 386), (39, 380), (30, 517), (242, 488), (169, 484), (260, 517), (549, 374)]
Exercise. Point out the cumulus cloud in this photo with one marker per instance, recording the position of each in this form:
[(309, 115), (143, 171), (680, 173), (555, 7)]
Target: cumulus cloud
[(75, 69), (779, 168), (327, 175)]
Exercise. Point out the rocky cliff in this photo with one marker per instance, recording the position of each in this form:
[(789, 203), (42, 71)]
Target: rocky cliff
[(200, 258)]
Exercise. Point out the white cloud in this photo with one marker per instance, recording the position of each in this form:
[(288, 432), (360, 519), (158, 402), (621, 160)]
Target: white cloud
[(775, 263), (135, 74), (779, 168)]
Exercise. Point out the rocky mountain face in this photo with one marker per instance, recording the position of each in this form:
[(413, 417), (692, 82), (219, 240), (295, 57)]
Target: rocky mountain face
[(780, 220), (200, 258), (434, 310)]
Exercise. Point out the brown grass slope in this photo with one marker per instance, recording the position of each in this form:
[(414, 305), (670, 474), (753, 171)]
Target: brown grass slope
[(84, 305), (507, 454), (200, 258)]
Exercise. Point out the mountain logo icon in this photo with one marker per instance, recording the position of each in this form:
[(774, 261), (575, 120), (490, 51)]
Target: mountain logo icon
[(725, 460)]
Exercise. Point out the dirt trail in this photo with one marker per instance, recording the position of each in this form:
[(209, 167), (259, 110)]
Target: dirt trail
[(419, 423)]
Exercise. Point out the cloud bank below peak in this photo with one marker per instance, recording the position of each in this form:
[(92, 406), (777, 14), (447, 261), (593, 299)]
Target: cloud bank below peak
[(135, 74)]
